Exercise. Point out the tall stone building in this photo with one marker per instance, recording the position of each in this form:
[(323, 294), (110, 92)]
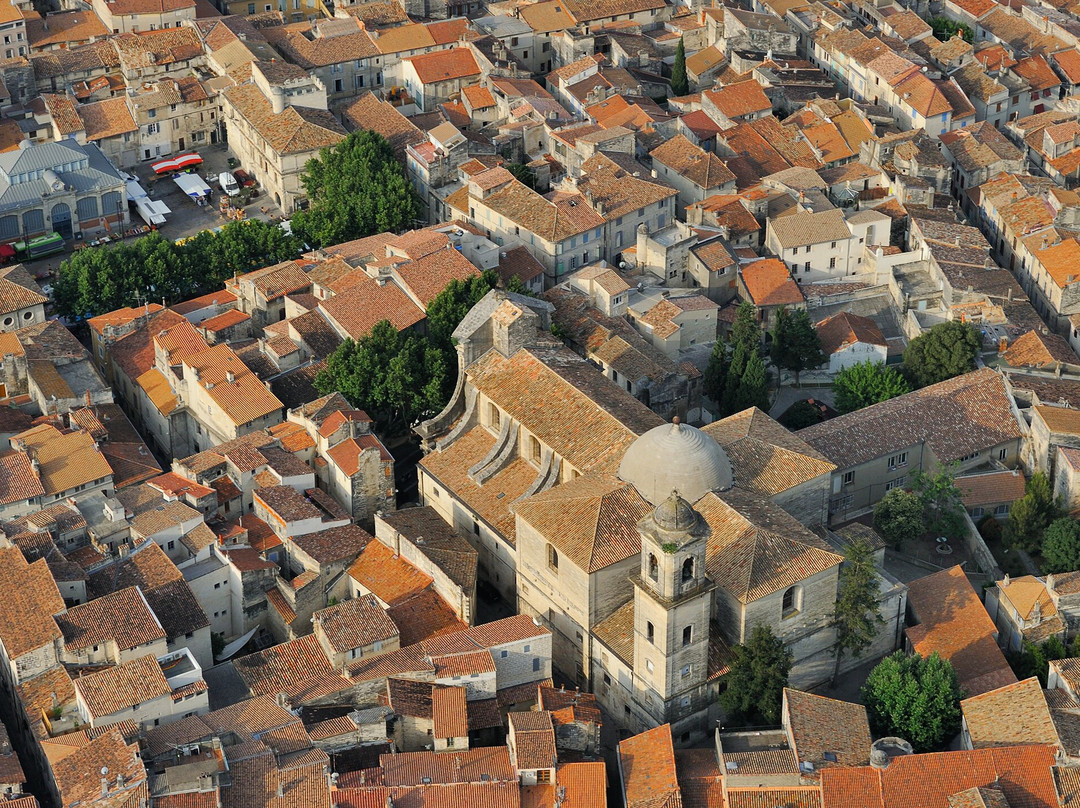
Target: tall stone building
[(645, 547)]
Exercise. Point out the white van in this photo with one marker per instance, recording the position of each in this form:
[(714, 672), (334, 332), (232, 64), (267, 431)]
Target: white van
[(228, 183)]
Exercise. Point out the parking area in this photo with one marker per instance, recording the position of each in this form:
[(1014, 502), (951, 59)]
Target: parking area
[(187, 218)]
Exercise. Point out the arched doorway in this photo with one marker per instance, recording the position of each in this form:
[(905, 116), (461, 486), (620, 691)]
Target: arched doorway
[(61, 219)]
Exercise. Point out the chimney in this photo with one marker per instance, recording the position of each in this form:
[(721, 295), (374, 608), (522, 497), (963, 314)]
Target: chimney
[(1050, 582), (1006, 581), (230, 377)]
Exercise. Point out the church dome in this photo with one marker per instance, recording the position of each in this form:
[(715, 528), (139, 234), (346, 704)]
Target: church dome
[(675, 513), (674, 457)]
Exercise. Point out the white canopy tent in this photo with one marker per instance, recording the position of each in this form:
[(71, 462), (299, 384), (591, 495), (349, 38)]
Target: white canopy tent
[(192, 185), (152, 211)]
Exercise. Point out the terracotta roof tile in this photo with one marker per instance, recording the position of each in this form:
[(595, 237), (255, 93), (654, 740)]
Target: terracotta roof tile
[(123, 617), (355, 623), (1013, 715), (704, 169), (647, 765), (389, 577), (449, 715), (927, 781), (119, 688), (953, 622), (770, 284), (955, 417), (820, 725)]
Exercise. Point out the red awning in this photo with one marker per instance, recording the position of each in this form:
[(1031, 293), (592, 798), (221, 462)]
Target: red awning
[(176, 163)]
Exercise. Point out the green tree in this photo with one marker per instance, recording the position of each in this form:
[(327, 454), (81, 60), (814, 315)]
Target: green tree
[(916, 698), (716, 371), (900, 515), (795, 342), (753, 385), (945, 29), (680, 85), (1031, 515), (1033, 658), (357, 188), (857, 616), (523, 173), (745, 330), (448, 308), (96, 280), (866, 383), (1061, 546), (746, 379), (946, 350), (397, 378), (755, 684), (943, 506), (800, 415)]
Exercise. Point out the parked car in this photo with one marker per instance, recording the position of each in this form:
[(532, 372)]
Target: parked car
[(243, 178), (228, 183)]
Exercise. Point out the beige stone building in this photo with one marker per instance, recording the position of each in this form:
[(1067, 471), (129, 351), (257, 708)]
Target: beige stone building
[(173, 115), (969, 421), (644, 547), (276, 122), (132, 16)]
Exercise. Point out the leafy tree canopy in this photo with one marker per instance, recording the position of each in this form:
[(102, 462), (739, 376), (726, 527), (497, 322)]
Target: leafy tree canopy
[(755, 684), (945, 29), (746, 380), (795, 342), (943, 507), (916, 698), (946, 350), (401, 378), (396, 378), (1031, 514), (800, 415), (357, 188), (716, 370), (96, 280), (1061, 546), (899, 515), (866, 383)]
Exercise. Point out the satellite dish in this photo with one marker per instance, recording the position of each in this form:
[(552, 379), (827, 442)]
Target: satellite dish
[(104, 770)]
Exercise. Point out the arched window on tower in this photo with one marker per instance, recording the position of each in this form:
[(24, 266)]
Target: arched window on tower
[(688, 570), (687, 635), (654, 570), (650, 633)]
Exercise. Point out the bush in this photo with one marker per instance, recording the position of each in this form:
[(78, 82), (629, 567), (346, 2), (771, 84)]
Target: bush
[(900, 515), (990, 529), (800, 415)]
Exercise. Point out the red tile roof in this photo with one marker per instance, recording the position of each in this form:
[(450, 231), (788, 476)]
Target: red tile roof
[(770, 284), (647, 766), (927, 781), (953, 622)]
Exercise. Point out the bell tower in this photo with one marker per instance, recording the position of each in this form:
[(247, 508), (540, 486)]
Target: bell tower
[(672, 608)]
